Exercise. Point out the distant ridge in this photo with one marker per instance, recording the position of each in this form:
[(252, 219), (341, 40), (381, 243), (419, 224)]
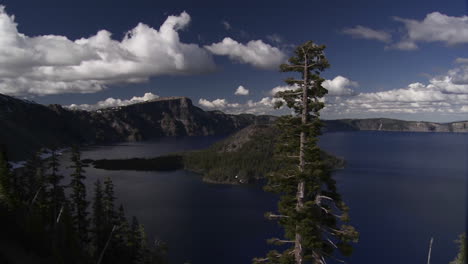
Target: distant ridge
[(26, 126), (387, 124)]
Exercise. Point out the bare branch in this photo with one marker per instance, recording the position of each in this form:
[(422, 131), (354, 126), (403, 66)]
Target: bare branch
[(280, 241), (272, 216)]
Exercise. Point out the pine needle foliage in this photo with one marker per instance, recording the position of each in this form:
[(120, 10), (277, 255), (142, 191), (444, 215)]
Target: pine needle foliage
[(310, 210), (461, 256)]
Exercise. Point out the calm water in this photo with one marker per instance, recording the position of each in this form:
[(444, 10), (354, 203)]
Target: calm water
[(403, 189)]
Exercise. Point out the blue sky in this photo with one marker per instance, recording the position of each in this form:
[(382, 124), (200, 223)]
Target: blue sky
[(388, 58)]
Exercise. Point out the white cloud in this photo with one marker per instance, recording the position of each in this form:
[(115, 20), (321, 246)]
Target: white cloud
[(340, 86), (447, 94), (403, 45), (435, 27), (282, 89), (441, 95), (461, 60), (255, 52), (52, 64), (216, 104), (263, 106), (464, 109), (111, 102), (275, 38), (226, 25), (241, 91), (368, 33)]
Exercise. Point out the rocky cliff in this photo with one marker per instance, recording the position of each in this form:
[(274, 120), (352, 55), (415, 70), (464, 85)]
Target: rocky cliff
[(26, 126)]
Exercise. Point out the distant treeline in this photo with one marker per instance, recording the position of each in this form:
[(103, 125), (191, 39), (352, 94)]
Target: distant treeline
[(163, 163)]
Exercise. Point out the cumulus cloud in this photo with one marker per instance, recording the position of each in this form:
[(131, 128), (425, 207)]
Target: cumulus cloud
[(111, 102), (262, 106), (435, 27), (340, 86), (52, 64), (255, 52), (241, 90), (216, 104), (368, 33), (440, 95), (446, 94)]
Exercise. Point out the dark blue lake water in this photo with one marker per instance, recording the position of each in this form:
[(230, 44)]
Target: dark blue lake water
[(403, 189)]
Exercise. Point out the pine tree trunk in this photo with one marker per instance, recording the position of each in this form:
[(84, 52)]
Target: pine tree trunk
[(298, 251)]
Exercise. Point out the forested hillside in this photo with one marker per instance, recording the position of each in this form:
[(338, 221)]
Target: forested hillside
[(244, 157)]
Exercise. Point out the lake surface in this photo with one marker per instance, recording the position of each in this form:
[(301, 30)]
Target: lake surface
[(402, 188)]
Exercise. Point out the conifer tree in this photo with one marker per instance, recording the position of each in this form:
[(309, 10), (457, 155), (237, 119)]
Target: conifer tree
[(79, 204), (122, 241), (108, 202), (34, 177), (310, 209), (56, 192), (6, 195), (123, 228), (37, 181), (99, 235), (461, 256), (135, 241)]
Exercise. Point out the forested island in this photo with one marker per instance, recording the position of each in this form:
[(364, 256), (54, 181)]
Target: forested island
[(244, 157)]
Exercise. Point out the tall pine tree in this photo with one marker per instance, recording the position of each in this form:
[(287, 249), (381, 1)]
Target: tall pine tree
[(99, 235), (56, 194), (34, 177), (79, 204), (108, 202), (6, 194), (310, 209)]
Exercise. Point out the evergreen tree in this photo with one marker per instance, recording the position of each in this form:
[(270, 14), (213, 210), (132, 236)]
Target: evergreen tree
[(123, 228), (34, 178), (108, 202), (122, 242), (135, 242), (99, 235), (310, 210), (6, 194), (461, 256), (56, 191), (79, 204), (143, 253)]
